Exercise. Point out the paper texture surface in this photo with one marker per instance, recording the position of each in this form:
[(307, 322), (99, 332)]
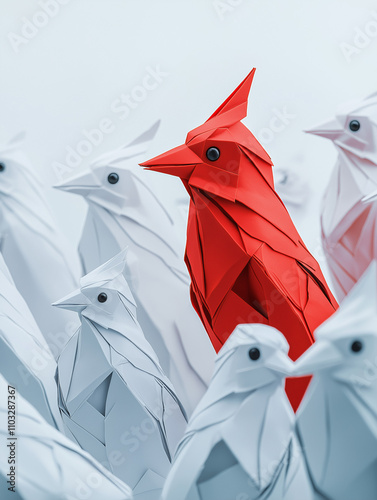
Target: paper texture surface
[(48, 465), (337, 421), (247, 262), (115, 400), (25, 359), (125, 212), (240, 441), (39, 259), (348, 223)]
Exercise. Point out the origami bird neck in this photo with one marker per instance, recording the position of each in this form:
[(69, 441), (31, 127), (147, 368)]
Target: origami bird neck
[(133, 222), (222, 417), (123, 333), (349, 184)]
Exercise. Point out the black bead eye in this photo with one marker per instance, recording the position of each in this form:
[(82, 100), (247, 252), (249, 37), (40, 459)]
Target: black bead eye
[(354, 125), (254, 353), (2, 167), (213, 154), (102, 297), (113, 178), (356, 346)]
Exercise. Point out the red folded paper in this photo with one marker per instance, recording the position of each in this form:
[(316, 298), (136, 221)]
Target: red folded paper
[(246, 259)]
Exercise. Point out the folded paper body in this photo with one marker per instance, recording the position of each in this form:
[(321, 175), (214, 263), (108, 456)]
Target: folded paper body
[(240, 441), (349, 208), (142, 361), (124, 211), (114, 398), (246, 260), (47, 465), (41, 262), (25, 358), (337, 420)]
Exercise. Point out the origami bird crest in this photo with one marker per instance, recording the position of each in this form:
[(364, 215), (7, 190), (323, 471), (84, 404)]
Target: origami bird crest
[(216, 153), (103, 293)]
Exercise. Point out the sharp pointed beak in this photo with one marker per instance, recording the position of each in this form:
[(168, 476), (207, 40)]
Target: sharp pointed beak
[(279, 362), (179, 161), (75, 301), (80, 184), (319, 356), (330, 130)]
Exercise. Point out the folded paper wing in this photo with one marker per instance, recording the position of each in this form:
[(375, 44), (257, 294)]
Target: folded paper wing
[(246, 260), (240, 439), (25, 358), (41, 261), (127, 212), (349, 207), (114, 398), (47, 464), (336, 422)]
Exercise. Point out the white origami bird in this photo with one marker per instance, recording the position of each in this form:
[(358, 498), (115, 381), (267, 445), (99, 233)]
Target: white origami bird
[(47, 465), (125, 212), (337, 420), (240, 441), (348, 223), (114, 397), (34, 250), (25, 359)]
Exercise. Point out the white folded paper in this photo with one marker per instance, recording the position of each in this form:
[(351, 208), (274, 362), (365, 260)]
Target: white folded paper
[(349, 223), (114, 398), (38, 257), (240, 441), (124, 211), (42, 464), (25, 359), (337, 420)]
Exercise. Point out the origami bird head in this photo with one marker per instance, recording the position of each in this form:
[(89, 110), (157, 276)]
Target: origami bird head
[(216, 153), (354, 129), (253, 356), (346, 344), (104, 295), (109, 180), (17, 179)]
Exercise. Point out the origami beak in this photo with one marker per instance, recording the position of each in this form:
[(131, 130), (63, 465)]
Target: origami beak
[(329, 130), (75, 301), (319, 356), (80, 184), (279, 362), (179, 161)]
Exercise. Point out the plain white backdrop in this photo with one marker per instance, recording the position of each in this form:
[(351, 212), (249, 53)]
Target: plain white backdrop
[(72, 71)]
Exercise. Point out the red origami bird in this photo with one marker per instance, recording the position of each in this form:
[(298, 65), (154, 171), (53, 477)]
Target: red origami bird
[(246, 259)]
